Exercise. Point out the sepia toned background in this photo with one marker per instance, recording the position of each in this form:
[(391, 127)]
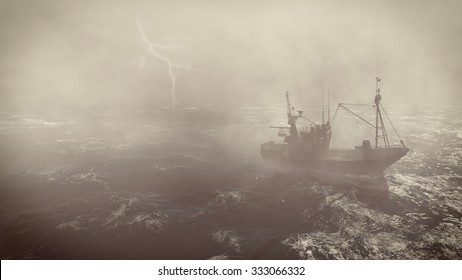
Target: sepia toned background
[(132, 129), (241, 52)]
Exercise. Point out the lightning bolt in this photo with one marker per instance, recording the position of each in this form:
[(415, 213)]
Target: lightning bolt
[(151, 51)]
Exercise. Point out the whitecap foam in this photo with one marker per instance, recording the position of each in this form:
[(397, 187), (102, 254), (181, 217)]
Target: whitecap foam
[(227, 239), (230, 199)]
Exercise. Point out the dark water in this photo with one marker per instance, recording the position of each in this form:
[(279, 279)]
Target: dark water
[(190, 184)]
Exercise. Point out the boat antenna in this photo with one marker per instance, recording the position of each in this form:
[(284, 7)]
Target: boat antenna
[(323, 104), (328, 104)]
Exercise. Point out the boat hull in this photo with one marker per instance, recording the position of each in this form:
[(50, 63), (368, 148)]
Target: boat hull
[(357, 161)]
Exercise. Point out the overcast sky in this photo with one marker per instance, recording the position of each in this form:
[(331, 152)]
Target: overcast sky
[(239, 52)]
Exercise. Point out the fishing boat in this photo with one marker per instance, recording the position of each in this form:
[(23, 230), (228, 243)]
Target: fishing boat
[(309, 146)]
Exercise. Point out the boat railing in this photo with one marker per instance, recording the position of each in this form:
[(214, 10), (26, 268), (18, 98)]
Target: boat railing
[(372, 148)]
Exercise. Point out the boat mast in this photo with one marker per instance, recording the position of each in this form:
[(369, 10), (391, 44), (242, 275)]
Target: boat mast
[(378, 116), (323, 105), (328, 104), (377, 106), (291, 118), (289, 112)]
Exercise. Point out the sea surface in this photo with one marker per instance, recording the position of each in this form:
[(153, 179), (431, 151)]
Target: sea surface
[(189, 183)]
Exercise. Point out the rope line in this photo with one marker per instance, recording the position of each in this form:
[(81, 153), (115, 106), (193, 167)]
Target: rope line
[(353, 104), (392, 124), (359, 124), (366, 111), (334, 118)]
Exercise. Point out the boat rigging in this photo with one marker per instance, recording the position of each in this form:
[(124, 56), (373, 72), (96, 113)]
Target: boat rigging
[(310, 147)]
